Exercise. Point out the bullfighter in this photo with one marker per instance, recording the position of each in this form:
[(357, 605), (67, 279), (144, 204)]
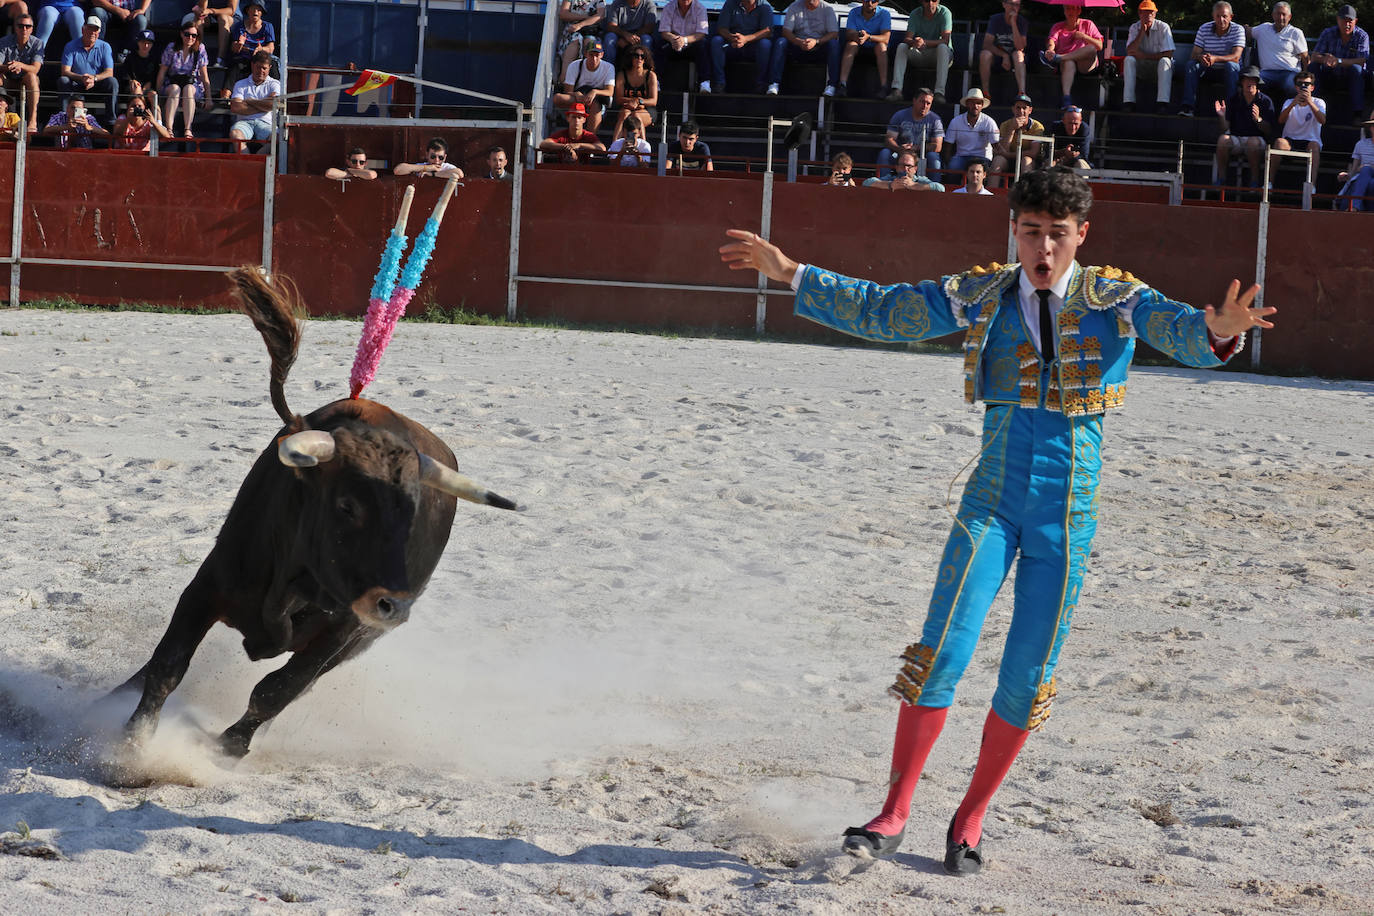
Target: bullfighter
[(1034, 490)]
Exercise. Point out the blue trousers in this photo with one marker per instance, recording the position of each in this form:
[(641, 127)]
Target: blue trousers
[(1032, 495), (830, 52), (760, 52), (1193, 71)]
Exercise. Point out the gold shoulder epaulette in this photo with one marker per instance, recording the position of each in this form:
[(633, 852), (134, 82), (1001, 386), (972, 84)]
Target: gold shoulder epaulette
[(1105, 287), (978, 283)]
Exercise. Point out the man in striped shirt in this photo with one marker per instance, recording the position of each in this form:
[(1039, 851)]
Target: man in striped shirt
[(1217, 48)]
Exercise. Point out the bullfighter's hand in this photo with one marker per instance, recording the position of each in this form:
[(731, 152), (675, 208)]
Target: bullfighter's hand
[(749, 252), (1236, 316)]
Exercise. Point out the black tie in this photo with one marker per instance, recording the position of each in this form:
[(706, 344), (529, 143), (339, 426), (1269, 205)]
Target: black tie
[(1046, 327)]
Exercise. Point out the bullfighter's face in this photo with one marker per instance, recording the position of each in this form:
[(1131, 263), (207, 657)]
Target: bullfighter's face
[(1047, 245)]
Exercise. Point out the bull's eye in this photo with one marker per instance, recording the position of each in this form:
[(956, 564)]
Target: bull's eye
[(349, 509)]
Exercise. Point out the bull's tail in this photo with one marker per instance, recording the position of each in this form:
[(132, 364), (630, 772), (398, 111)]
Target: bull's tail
[(275, 310)]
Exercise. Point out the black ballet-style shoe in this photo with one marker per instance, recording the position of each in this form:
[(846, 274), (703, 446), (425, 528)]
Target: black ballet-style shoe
[(865, 844), (961, 859)]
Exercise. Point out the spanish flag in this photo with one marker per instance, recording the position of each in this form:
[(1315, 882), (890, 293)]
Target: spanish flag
[(370, 80)]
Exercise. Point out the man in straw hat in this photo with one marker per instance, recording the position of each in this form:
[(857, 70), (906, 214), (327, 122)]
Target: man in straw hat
[(1048, 344), (970, 132)]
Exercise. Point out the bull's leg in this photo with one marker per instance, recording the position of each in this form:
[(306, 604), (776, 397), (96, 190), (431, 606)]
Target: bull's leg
[(276, 691), (191, 620)]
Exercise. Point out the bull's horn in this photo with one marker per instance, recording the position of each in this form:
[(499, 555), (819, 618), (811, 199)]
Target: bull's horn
[(440, 477), (306, 449)]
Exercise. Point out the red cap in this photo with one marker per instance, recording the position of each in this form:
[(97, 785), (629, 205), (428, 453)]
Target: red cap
[(577, 108)]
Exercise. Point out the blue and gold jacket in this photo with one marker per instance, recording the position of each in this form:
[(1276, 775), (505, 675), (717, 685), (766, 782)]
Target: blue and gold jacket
[(1104, 310)]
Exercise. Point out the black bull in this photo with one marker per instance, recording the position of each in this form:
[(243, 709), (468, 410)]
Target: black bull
[(333, 535)]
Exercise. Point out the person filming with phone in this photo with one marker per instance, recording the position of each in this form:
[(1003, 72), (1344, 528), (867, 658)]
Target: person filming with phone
[(73, 127)]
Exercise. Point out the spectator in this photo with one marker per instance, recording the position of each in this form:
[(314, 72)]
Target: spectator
[(1073, 46), (248, 37), (1071, 140), (1217, 48), (355, 167), (69, 11), (1340, 56), (905, 178), (1358, 178), (1281, 48), (135, 129), (572, 142), (581, 19), (253, 100), (971, 133), (1005, 41), (1302, 119), (636, 90), (917, 129), (1247, 120), (88, 65), (436, 162), (631, 150), (21, 57), (974, 176), (689, 152), (1149, 47), (137, 73), (682, 36), (1009, 135), (811, 32), (868, 29), (131, 14), (10, 123), (225, 15), (496, 164), (73, 127), (841, 172), (743, 23), (927, 45), (589, 82), (184, 76), (630, 24)]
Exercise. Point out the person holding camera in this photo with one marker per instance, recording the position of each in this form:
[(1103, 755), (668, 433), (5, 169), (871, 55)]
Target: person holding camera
[(1302, 119), (135, 129), (73, 127), (184, 76), (841, 172)]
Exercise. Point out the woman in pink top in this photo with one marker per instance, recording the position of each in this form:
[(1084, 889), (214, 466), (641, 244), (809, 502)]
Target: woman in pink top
[(1074, 45)]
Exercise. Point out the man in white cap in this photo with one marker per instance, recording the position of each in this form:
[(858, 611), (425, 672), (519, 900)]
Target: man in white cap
[(970, 132), (1149, 47), (88, 66)]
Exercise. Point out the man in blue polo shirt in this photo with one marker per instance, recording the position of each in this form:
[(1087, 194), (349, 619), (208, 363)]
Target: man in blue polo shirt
[(88, 65), (744, 29), (867, 29)]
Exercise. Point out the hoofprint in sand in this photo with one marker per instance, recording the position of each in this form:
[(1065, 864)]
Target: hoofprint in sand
[(661, 687)]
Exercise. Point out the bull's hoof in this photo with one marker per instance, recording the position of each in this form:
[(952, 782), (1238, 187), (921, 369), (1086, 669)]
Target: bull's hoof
[(234, 744)]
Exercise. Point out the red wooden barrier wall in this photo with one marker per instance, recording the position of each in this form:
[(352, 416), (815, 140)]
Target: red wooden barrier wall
[(603, 224)]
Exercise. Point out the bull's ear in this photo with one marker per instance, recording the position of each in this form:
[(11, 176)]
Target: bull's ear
[(441, 477), (305, 449)]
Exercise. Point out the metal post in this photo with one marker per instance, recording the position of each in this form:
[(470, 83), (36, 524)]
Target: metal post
[(516, 191), (17, 215), (420, 57), (792, 165), (765, 230), (269, 187), (1261, 247)]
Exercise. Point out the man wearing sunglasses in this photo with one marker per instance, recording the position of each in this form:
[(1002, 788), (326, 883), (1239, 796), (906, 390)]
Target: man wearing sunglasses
[(356, 167), (21, 55), (436, 163)]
